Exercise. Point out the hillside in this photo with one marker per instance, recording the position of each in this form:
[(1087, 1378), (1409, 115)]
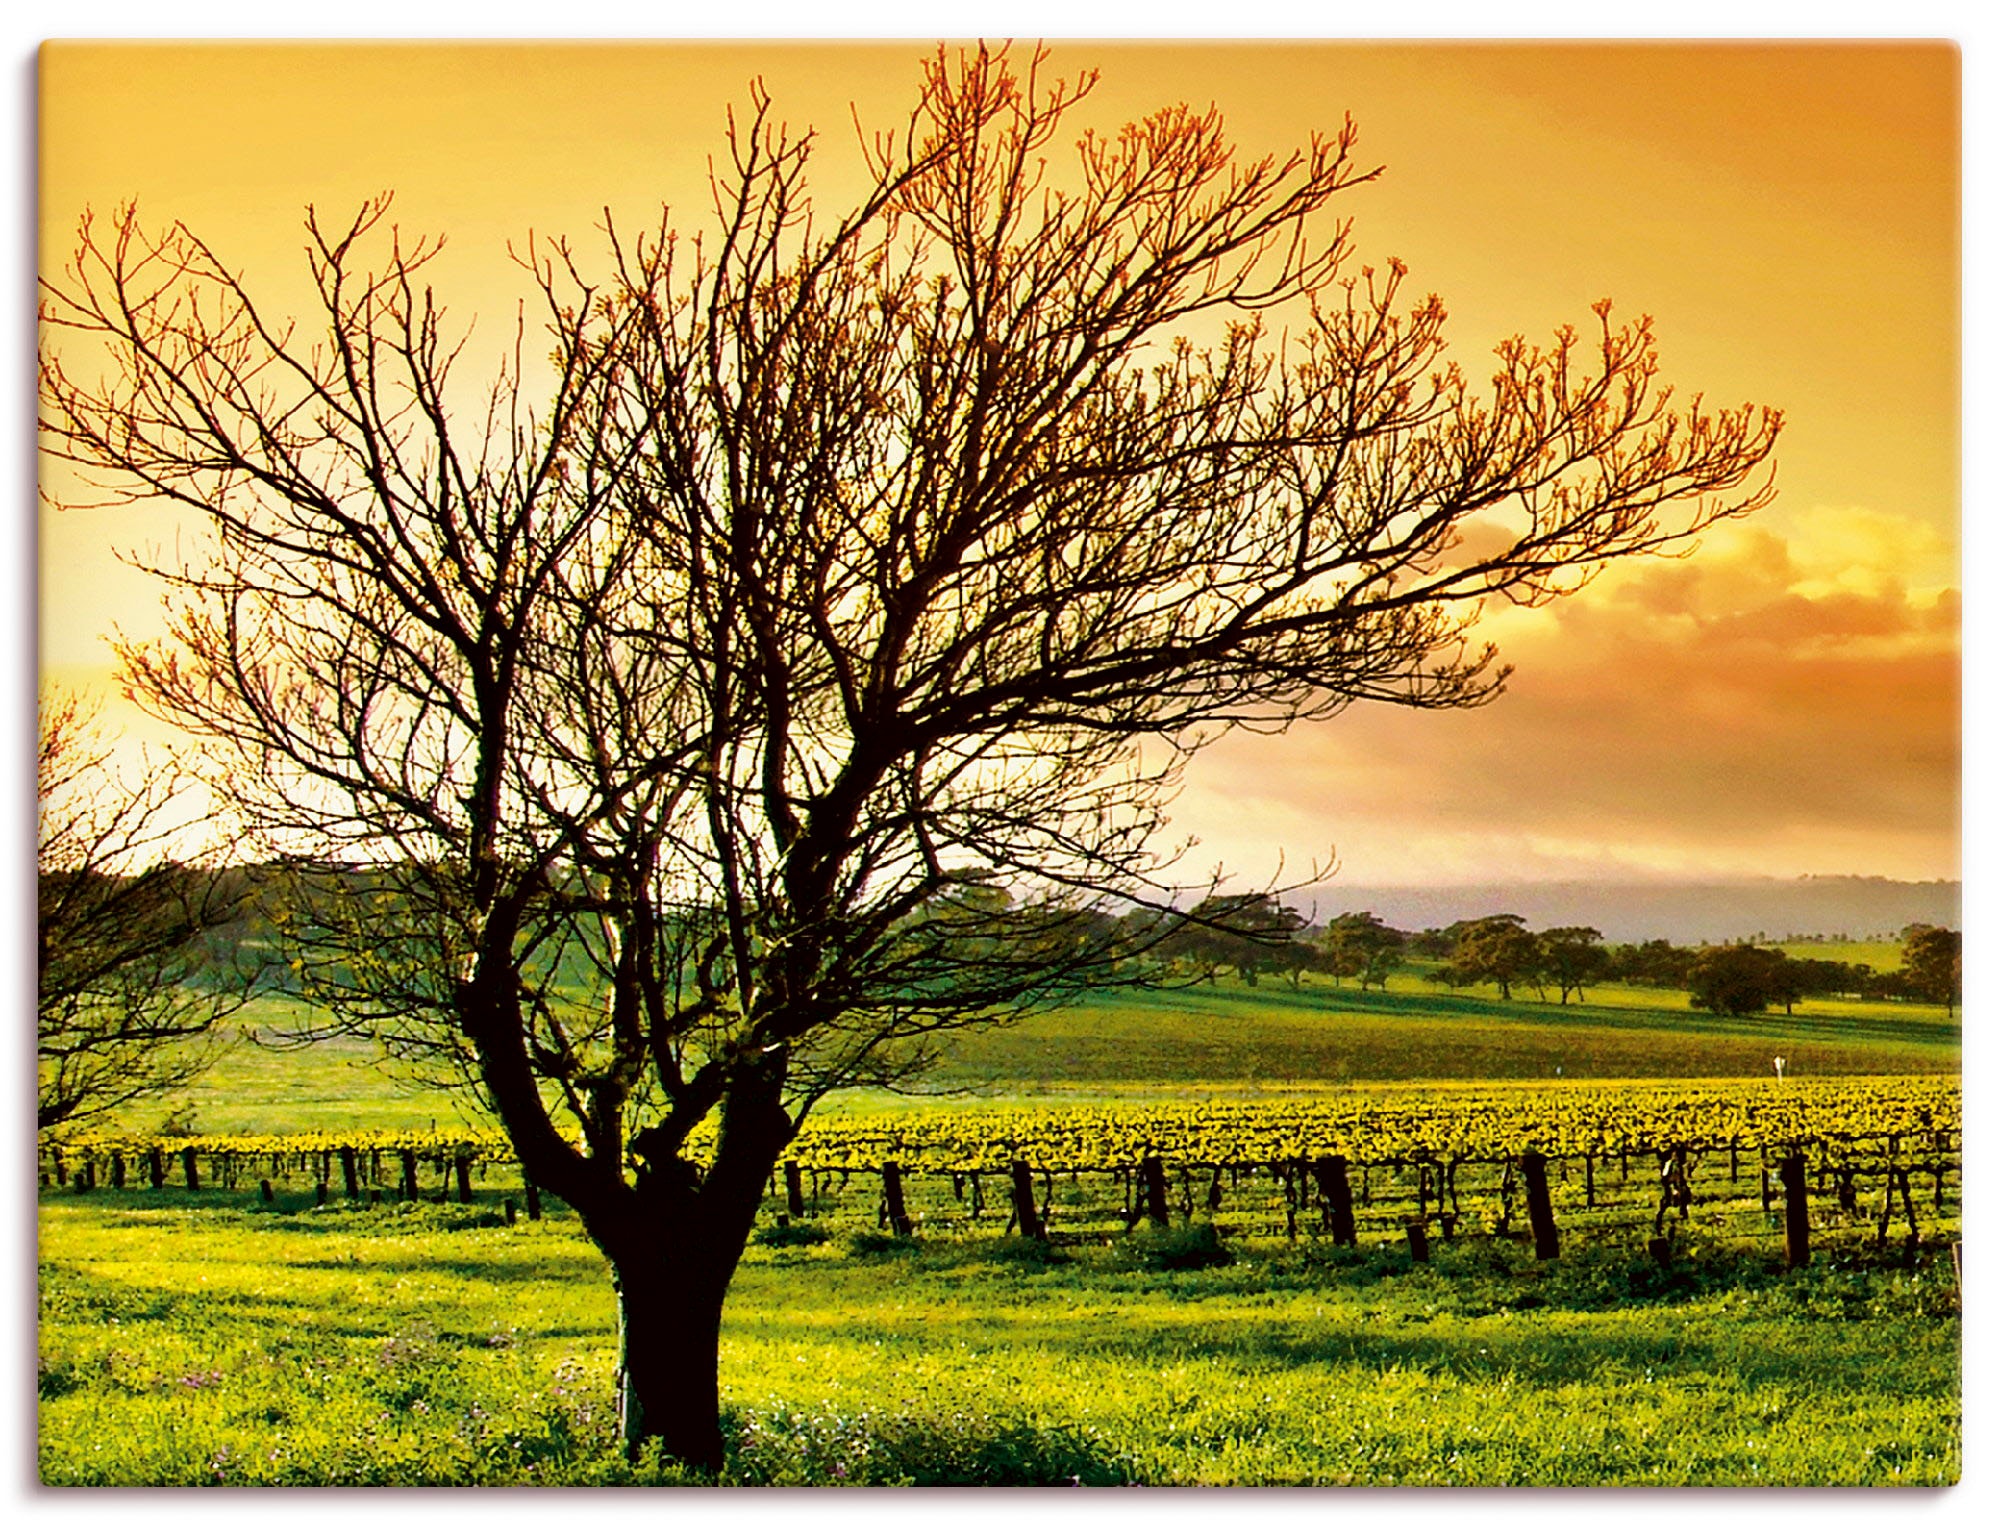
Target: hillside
[(1834, 906)]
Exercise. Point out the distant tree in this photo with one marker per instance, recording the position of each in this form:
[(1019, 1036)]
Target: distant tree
[(1790, 982), (132, 982), (1432, 942), (1573, 957), (1254, 934), (1933, 964), (1654, 962), (1496, 950), (1825, 976), (1736, 979), (1361, 946)]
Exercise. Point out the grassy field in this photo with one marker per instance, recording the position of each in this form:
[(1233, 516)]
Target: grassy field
[(190, 1339), (1223, 1039), (417, 1346)]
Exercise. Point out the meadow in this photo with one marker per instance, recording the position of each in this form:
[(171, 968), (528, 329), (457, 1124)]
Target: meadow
[(214, 1338), (427, 1345), (1225, 1039)]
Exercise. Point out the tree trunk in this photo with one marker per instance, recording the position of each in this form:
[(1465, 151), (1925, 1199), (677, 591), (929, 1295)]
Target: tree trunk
[(669, 1353), (673, 1242)]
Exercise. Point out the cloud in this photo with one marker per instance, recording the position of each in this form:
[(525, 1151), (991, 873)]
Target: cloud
[(1768, 705)]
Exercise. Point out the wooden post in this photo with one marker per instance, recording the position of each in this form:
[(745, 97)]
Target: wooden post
[(1153, 1178), (1338, 1196), (462, 1168), (1025, 1212), (1420, 1245), (350, 1175), (1909, 1212), (188, 1172), (1541, 1215), (795, 1190), (410, 1192), (893, 1210), (1792, 1176)]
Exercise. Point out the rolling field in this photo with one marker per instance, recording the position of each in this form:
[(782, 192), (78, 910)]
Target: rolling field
[(1225, 1039), (424, 1345), (213, 1338)]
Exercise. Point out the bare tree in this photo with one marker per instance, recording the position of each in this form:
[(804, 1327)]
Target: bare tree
[(803, 674), (133, 980)]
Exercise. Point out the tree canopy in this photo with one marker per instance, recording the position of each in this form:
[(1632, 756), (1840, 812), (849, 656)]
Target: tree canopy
[(132, 980)]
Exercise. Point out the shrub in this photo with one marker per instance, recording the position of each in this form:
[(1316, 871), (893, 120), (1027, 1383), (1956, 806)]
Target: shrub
[(1190, 1247), (791, 1235)]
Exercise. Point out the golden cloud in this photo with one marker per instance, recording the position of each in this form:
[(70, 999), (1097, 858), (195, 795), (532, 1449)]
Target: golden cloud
[(1766, 705)]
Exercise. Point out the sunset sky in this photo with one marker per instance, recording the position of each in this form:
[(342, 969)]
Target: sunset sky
[(1785, 701)]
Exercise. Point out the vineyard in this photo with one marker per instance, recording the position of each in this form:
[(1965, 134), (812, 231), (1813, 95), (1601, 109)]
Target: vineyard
[(1651, 1161)]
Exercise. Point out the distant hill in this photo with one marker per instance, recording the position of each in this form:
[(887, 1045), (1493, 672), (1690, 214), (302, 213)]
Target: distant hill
[(1833, 906)]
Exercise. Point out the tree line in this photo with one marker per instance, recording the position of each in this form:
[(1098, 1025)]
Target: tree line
[(1257, 936)]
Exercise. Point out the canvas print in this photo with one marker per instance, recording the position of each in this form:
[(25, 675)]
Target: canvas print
[(979, 763)]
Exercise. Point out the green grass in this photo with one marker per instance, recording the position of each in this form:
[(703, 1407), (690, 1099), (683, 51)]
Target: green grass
[(191, 1339), (1876, 955), (340, 1084), (1229, 1034), (1222, 1039), (411, 1347)]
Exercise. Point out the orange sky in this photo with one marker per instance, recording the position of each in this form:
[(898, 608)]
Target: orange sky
[(1784, 702)]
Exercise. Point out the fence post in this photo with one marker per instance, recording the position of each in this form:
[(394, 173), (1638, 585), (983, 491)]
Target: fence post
[(1541, 1215), (1025, 1212), (893, 1210), (1420, 1244), (1331, 1171), (462, 1168), (1153, 1177), (1792, 1176)]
